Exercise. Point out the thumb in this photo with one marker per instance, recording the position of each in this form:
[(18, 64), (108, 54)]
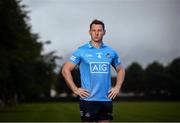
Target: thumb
[(110, 90)]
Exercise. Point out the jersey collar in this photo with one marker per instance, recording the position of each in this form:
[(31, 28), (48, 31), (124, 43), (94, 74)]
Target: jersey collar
[(91, 46)]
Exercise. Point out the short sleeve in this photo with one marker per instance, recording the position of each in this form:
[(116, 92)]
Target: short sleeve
[(116, 60), (75, 57)]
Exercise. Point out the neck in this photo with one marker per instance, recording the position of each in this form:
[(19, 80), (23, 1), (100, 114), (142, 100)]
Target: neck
[(96, 44)]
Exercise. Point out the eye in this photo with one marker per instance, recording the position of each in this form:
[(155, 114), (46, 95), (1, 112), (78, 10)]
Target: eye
[(93, 30)]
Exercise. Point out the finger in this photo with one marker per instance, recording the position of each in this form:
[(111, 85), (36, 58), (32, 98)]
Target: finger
[(110, 90), (85, 90), (110, 95), (83, 96), (114, 96), (84, 93)]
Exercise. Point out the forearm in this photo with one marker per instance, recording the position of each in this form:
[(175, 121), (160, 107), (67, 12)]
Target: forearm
[(66, 72), (69, 80), (120, 78)]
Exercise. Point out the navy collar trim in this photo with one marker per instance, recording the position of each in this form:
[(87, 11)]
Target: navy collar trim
[(91, 46)]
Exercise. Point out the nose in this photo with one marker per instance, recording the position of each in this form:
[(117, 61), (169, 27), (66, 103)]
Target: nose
[(97, 33)]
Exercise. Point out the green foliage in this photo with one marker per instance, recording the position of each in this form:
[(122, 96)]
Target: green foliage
[(23, 70), (173, 72), (134, 78), (154, 77), (154, 80)]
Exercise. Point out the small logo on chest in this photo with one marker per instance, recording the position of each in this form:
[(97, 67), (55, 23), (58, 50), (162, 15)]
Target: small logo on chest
[(99, 55)]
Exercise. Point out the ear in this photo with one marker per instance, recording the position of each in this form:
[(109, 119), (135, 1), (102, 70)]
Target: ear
[(89, 32), (104, 32)]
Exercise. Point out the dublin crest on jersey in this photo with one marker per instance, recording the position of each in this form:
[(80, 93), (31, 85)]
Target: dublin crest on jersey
[(108, 55)]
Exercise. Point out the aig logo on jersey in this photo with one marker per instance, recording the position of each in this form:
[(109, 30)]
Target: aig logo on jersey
[(99, 67)]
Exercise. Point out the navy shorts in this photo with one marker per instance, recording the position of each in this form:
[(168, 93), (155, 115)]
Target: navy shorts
[(92, 111)]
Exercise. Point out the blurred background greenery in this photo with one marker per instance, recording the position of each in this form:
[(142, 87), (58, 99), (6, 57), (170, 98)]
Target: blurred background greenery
[(69, 112)]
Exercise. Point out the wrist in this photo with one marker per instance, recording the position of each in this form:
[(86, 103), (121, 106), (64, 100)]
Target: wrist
[(117, 86), (74, 89)]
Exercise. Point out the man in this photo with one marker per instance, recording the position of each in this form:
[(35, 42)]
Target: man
[(94, 60)]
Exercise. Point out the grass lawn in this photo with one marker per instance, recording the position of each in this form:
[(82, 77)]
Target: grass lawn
[(122, 111)]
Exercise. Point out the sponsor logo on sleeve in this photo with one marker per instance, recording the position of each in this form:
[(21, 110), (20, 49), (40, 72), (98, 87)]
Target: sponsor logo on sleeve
[(73, 58), (119, 60)]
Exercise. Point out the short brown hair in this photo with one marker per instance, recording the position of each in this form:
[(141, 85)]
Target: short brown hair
[(97, 22)]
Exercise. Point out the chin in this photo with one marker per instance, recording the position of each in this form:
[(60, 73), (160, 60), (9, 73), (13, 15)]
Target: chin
[(97, 40)]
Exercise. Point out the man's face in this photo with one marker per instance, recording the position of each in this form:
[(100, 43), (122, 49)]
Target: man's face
[(97, 32)]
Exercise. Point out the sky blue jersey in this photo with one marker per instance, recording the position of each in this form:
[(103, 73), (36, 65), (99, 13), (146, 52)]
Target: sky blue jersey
[(94, 64)]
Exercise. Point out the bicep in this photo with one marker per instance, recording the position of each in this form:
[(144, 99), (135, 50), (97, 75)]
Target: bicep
[(119, 68), (120, 72), (69, 66)]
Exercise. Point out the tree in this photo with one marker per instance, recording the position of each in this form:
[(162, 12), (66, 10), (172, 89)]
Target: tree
[(23, 71), (173, 72), (155, 78), (134, 80)]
